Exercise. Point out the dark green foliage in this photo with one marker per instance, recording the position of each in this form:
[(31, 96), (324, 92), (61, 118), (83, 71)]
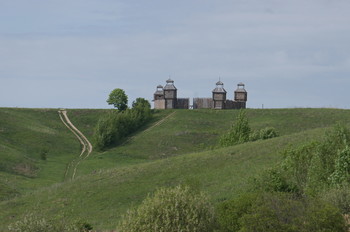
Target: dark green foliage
[(116, 125), (275, 212), (266, 133), (43, 154), (274, 180), (318, 169), (141, 103), (339, 197), (105, 131), (142, 110), (84, 226), (320, 216), (313, 167), (118, 99), (341, 173), (230, 212), (239, 132), (171, 210)]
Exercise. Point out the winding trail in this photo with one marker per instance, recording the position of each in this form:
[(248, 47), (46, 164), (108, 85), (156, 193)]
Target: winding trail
[(85, 150), (151, 127)]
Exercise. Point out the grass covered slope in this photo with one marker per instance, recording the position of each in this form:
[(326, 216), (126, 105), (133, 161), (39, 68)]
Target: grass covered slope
[(101, 197), (180, 149), (187, 131), (35, 148)]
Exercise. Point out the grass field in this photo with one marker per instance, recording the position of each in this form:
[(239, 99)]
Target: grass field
[(182, 149)]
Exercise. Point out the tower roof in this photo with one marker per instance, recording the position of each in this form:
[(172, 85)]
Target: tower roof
[(219, 88), (159, 90), (169, 85), (240, 88), (169, 81)]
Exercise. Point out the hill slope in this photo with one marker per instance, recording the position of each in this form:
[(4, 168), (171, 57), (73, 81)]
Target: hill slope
[(164, 155)]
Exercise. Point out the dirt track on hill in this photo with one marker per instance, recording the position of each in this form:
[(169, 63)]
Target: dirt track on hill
[(148, 129), (85, 150)]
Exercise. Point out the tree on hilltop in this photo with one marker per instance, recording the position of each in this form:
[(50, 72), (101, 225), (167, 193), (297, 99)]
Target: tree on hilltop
[(118, 99), (141, 103)]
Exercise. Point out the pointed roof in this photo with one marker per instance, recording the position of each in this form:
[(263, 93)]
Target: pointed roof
[(219, 88), (159, 90), (240, 88), (169, 85)]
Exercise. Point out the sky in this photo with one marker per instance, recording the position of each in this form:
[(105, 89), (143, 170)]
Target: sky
[(73, 53)]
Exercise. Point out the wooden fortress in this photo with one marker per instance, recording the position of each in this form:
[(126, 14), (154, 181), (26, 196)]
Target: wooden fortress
[(166, 98)]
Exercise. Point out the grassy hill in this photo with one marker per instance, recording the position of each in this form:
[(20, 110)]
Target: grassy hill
[(180, 149)]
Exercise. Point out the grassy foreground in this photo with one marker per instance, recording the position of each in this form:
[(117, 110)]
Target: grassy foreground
[(181, 149)]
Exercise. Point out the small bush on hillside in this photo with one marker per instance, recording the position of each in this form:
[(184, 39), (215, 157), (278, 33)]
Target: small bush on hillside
[(254, 135), (268, 133), (171, 210), (239, 133), (43, 154)]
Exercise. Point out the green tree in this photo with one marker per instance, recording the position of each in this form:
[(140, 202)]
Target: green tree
[(118, 99), (141, 103), (141, 110), (172, 210)]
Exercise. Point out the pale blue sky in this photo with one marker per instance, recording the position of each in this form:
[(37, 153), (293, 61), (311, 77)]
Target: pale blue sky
[(72, 53)]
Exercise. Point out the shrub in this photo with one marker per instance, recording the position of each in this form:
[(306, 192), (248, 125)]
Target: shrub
[(339, 197), (230, 212), (171, 210), (341, 173), (275, 212), (239, 132), (43, 154), (313, 167), (268, 133), (283, 212), (274, 180), (255, 135), (105, 131), (321, 216)]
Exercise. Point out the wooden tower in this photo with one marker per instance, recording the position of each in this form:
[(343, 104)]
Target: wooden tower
[(219, 96)]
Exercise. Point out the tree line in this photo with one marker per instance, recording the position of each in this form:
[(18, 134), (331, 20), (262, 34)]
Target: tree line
[(118, 123)]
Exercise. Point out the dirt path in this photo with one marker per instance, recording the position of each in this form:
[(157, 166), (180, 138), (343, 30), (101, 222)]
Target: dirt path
[(151, 127), (85, 150)]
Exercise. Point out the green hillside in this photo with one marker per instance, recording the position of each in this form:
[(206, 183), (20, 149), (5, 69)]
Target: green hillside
[(176, 147)]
